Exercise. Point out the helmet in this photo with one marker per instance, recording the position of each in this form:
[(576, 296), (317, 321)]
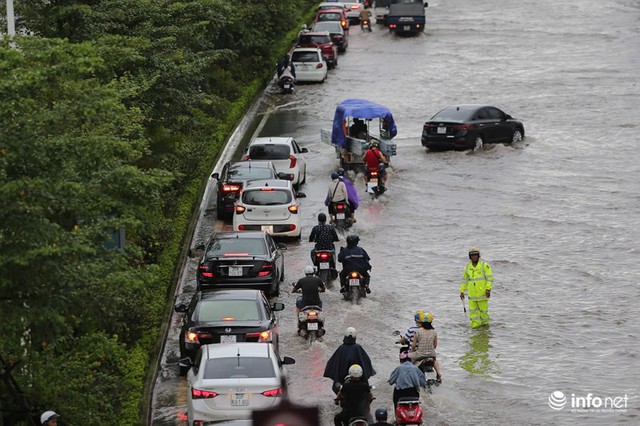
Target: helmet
[(322, 217), (381, 413), (404, 356), (334, 175), (309, 270), (350, 332), (422, 316), (341, 171), (355, 371), (474, 251), (352, 240), (373, 144), (48, 415)]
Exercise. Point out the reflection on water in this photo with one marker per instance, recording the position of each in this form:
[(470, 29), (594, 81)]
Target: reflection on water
[(477, 360)]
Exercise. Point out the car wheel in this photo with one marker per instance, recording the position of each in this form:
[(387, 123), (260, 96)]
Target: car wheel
[(304, 177), (517, 136), (479, 143)]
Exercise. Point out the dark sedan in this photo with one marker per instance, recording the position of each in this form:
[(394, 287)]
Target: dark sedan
[(470, 126), (247, 259), (234, 175), (227, 316)]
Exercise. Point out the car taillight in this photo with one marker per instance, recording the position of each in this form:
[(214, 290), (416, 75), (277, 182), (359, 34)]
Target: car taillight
[(202, 394), (426, 126), (263, 336), (266, 270), (293, 209), (292, 227), (462, 126), (240, 209), (355, 6), (266, 189), (205, 271), (230, 188), (273, 392), (294, 160), (319, 66)]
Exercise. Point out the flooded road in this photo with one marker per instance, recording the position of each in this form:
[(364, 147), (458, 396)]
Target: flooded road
[(557, 216)]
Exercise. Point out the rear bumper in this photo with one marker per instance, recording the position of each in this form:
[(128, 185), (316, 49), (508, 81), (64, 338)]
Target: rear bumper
[(438, 143), (279, 230)]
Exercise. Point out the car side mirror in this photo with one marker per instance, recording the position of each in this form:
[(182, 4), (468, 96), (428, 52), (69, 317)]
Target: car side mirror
[(286, 176), (304, 150), (282, 246), (215, 175), (287, 360), (301, 195), (507, 117), (278, 306), (181, 308)]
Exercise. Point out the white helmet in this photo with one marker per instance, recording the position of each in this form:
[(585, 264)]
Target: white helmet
[(309, 270), (350, 332), (355, 371)]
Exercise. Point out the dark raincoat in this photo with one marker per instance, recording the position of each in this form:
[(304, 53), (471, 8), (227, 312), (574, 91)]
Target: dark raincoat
[(345, 356)]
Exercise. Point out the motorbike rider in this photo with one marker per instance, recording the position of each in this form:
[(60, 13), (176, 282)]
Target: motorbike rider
[(285, 68), (324, 235), (407, 378), (356, 396), (381, 417), (354, 258), (352, 192), (373, 159), (408, 336), (311, 287), (359, 129), (347, 354), (338, 193), (365, 15)]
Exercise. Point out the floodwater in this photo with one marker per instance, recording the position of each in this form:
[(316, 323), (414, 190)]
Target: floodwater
[(557, 216)]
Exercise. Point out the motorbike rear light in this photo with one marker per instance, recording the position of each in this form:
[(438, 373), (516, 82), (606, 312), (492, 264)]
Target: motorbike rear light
[(230, 188), (313, 314), (340, 206), (202, 394), (294, 160), (323, 256), (240, 209), (266, 270), (343, 23), (263, 336), (354, 275), (293, 209), (374, 174), (319, 66), (273, 392)]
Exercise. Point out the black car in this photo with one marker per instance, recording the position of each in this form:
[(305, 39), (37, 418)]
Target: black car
[(470, 126), (234, 175), (247, 259), (227, 316)]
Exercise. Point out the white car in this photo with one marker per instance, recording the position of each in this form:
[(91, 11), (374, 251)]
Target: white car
[(229, 380), (283, 152), (310, 65), (269, 206), (354, 8)]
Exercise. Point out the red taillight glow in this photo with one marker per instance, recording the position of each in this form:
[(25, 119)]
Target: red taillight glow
[(373, 174), (323, 256), (354, 275), (343, 23), (294, 160), (266, 270), (236, 254), (204, 271), (292, 227), (263, 336), (266, 189), (230, 188), (355, 6), (273, 392), (191, 337), (340, 206), (240, 227), (319, 65), (240, 209), (312, 314), (293, 209), (202, 394), (462, 126), (392, 25)]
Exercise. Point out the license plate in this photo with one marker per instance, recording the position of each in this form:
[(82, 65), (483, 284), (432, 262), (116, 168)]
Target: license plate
[(240, 400), (312, 326), (235, 271), (340, 216), (354, 282), (442, 130), (267, 229), (287, 86), (407, 28), (228, 338), (324, 265)]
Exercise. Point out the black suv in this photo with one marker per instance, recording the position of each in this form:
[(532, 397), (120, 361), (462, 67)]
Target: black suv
[(227, 316), (247, 259)]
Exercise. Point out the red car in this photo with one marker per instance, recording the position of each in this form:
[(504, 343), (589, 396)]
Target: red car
[(321, 40), (333, 15)]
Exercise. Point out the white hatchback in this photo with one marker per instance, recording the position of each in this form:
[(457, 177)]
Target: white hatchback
[(229, 380), (270, 206), (309, 64), (283, 152)]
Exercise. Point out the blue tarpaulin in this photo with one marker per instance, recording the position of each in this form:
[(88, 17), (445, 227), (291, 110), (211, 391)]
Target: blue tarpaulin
[(359, 108)]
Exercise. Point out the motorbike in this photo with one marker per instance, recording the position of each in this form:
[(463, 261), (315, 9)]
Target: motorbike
[(340, 215), (325, 264), (409, 411), (365, 23), (373, 185), (286, 83), (356, 287), (311, 323), (426, 366)]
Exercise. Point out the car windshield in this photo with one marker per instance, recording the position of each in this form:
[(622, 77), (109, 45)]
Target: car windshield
[(273, 197), (239, 367), (235, 247), (452, 114), (329, 17), (269, 151), (333, 27), (305, 57), (250, 173), (314, 39), (227, 310)]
